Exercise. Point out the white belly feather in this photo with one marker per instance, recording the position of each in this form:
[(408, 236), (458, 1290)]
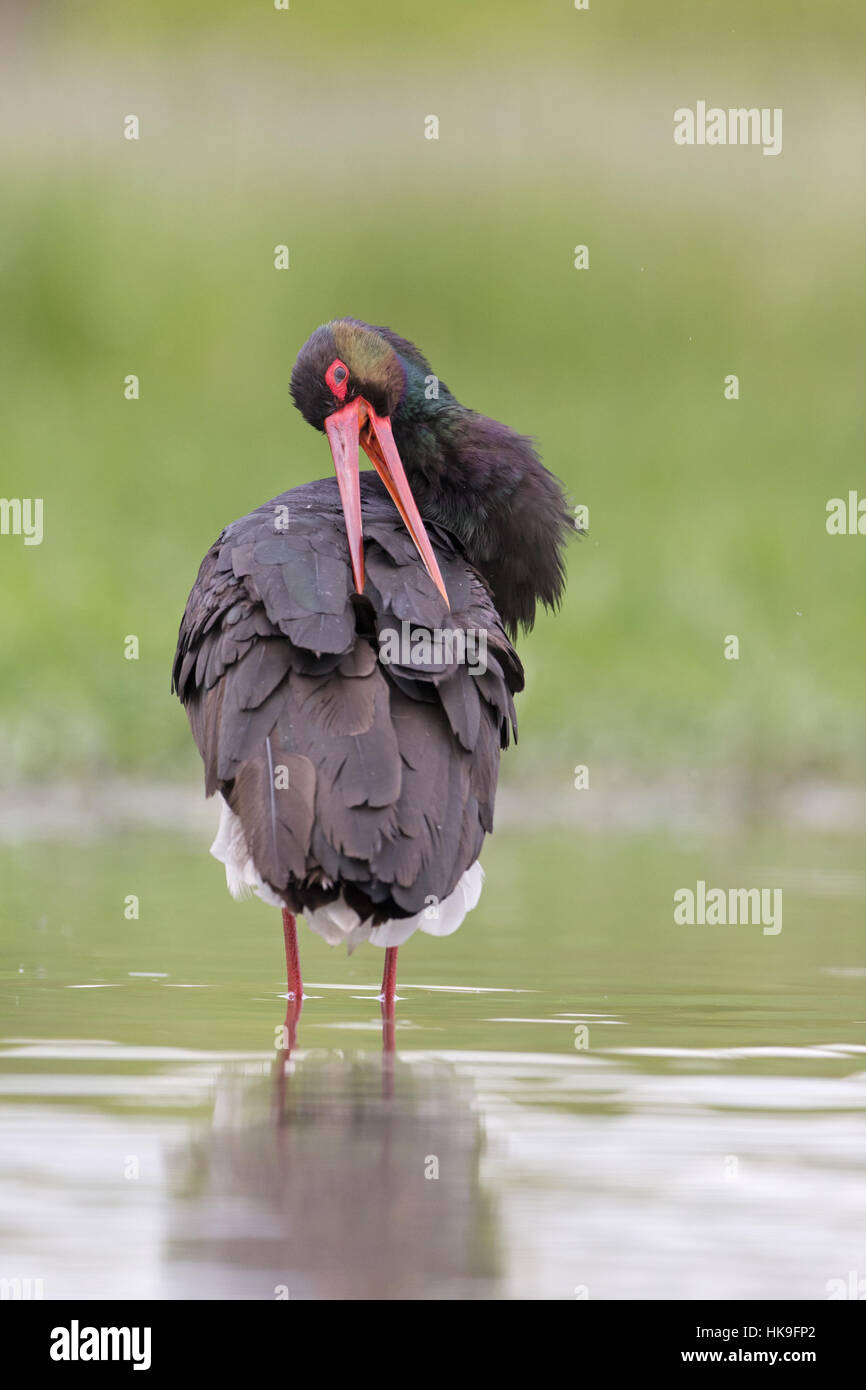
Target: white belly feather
[(337, 922)]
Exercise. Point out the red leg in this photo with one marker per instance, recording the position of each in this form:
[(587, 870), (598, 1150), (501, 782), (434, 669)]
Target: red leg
[(389, 977), (293, 959), (294, 985), (389, 986)]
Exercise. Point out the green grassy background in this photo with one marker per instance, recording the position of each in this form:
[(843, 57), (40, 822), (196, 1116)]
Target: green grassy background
[(156, 257)]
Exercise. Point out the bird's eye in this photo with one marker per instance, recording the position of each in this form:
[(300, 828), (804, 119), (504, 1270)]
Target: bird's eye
[(336, 377)]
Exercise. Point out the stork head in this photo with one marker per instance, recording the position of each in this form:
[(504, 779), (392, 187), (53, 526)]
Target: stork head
[(348, 381)]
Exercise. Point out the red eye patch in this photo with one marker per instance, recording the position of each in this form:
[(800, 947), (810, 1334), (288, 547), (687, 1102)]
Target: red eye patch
[(337, 378)]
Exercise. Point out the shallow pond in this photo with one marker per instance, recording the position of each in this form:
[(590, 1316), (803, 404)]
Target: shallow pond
[(588, 1099)]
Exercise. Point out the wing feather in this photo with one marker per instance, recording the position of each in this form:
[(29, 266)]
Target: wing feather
[(348, 774)]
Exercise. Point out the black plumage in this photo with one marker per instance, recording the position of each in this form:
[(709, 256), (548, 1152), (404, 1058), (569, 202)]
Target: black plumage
[(391, 770), (356, 776)]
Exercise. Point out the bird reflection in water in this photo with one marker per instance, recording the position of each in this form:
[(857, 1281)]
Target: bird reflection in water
[(343, 1193)]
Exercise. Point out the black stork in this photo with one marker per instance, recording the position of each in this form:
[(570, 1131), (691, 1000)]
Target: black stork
[(345, 656)]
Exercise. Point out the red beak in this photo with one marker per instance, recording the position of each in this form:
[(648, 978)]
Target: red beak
[(344, 431)]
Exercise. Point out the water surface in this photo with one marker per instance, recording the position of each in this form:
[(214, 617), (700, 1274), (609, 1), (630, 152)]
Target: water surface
[(588, 1101)]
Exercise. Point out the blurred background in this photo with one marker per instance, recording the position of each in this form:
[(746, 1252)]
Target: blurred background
[(155, 257), (261, 128)]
